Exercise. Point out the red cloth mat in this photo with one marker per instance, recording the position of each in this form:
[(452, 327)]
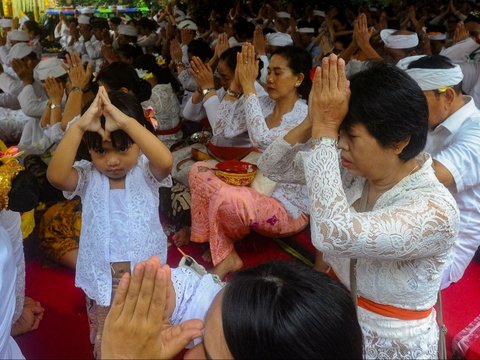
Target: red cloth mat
[(461, 306), (64, 332)]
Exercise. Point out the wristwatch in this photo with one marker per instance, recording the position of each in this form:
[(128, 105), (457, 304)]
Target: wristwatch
[(54, 106), (206, 91)]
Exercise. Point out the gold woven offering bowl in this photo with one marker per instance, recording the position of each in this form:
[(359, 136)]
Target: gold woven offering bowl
[(235, 172)]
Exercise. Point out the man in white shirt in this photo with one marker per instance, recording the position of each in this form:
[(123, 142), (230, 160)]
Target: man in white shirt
[(8, 272), (32, 97), (454, 143), (464, 54)]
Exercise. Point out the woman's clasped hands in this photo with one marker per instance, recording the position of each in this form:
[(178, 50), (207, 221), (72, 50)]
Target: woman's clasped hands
[(246, 71), (138, 325), (329, 97)]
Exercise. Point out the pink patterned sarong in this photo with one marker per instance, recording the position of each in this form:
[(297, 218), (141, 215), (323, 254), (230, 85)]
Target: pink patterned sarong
[(223, 214)]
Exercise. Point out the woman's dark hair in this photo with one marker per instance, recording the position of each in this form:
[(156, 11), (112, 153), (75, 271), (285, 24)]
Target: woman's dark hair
[(119, 74), (33, 26), (282, 310), (24, 194), (146, 23), (200, 48), (436, 62), (300, 62), (130, 51), (162, 73), (229, 57), (129, 105), (243, 29), (115, 20), (391, 106)]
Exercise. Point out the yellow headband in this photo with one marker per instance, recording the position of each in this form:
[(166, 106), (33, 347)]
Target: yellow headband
[(10, 168)]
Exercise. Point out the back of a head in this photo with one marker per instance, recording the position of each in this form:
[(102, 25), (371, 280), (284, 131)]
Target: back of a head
[(391, 105), (200, 48), (118, 75), (300, 62), (147, 24), (33, 26), (438, 62), (229, 56), (243, 29), (163, 74), (281, 310), (432, 62)]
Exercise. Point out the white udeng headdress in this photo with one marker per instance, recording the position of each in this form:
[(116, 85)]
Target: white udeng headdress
[(398, 41), (431, 79)]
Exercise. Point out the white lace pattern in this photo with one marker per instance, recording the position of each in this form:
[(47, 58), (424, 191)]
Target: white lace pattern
[(401, 245), (146, 239)]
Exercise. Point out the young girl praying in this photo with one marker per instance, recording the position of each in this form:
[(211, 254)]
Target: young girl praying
[(119, 192)]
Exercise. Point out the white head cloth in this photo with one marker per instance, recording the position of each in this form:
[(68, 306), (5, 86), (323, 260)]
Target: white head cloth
[(437, 36), (51, 67), (283, 15), (20, 50), (431, 79), (6, 23), (319, 13), (279, 39), (84, 19), (87, 10), (306, 30), (23, 20), (187, 24), (179, 15), (18, 35), (398, 41), (128, 30)]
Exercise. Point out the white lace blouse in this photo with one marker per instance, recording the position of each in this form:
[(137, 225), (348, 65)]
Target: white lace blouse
[(167, 111), (256, 109), (401, 245), (146, 236)]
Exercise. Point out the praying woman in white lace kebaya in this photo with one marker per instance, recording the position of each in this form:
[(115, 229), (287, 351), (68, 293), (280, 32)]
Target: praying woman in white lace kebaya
[(379, 216)]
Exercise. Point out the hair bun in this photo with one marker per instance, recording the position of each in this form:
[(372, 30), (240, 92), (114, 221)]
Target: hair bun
[(24, 194), (144, 91)]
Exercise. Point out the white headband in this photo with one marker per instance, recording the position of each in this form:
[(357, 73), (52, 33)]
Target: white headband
[(398, 41), (306, 30), (279, 39), (431, 79), (283, 15), (319, 13), (437, 36)]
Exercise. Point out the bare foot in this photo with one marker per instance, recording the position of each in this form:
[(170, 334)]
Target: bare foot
[(207, 255), (231, 263), (182, 237), (30, 318)]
